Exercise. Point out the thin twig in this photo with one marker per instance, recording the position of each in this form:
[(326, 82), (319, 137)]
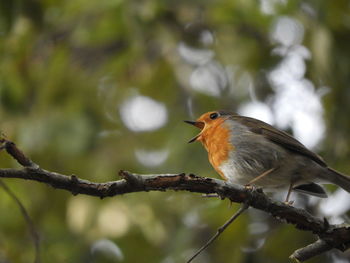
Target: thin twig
[(220, 230), (34, 234), (261, 176)]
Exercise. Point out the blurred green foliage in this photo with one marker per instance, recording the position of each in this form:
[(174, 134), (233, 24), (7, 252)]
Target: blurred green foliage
[(67, 67)]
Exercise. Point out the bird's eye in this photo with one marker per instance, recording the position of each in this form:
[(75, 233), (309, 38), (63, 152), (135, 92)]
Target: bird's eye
[(214, 115)]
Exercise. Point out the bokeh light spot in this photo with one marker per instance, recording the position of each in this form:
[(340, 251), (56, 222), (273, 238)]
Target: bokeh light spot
[(107, 248), (79, 212), (210, 79), (195, 56), (113, 220), (287, 31), (151, 158), (257, 110), (141, 113)]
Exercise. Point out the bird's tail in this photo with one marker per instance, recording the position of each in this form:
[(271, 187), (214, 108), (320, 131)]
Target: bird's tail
[(339, 179)]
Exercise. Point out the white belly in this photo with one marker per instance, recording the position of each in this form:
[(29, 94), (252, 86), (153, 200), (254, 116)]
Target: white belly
[(242, 175)]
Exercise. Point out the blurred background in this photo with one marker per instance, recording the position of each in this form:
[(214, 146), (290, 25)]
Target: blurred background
[(91, 87)]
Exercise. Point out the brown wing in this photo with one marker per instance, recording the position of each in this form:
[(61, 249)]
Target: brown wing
[(277, 136)]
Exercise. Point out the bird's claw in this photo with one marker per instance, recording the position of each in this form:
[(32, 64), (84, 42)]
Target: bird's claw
[(249, 187), (289, 203)]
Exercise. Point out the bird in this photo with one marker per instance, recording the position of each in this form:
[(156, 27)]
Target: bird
[(250, 152)]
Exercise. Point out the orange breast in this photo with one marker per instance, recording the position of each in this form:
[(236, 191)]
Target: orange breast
[(216, 140)]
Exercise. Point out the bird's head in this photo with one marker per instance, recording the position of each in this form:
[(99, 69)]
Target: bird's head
[(208, 121)]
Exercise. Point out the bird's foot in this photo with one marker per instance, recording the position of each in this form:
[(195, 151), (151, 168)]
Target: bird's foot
[(249, 187), (289, 203), (253, 188)]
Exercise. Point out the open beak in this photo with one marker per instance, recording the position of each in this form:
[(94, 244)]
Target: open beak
[(199, 125)]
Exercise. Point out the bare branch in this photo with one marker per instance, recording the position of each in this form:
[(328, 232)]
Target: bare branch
[(314, 249), (335, 236)]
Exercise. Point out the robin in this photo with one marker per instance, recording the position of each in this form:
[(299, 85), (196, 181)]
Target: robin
[(250, 152)]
